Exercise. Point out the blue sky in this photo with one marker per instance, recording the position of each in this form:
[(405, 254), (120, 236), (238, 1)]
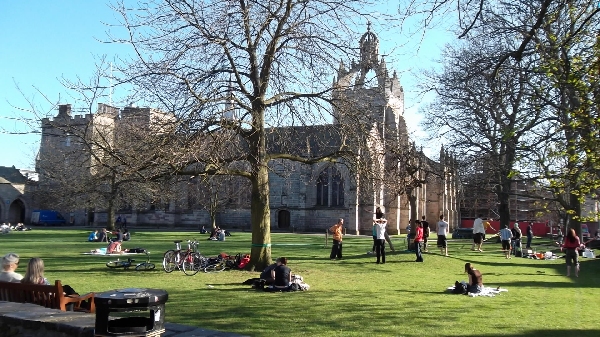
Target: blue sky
[(45, 40)]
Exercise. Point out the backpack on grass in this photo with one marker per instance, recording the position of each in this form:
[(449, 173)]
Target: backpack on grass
[(460, 288)]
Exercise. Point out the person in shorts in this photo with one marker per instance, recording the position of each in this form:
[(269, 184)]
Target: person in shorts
[(442, 231), (505, 236), (478, 233)]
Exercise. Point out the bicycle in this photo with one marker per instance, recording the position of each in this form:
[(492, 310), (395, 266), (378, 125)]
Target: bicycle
[(126, 264), (189, 261), (223, 262)]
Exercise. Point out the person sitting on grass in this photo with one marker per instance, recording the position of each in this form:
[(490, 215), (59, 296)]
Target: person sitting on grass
[(10, 262), (266, 274), (282, 275), (126, 235), (214, 234), (102, 237), (93, 236), (475, 279), (118, 237)]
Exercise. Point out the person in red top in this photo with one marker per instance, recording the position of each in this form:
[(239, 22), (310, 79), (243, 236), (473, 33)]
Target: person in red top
[(571, 246), (418, 240)]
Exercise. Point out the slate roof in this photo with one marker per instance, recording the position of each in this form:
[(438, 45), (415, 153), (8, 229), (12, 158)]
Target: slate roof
[(306, 141), (11, 175)]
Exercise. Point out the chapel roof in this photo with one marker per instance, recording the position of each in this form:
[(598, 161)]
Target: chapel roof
[(12, 175)]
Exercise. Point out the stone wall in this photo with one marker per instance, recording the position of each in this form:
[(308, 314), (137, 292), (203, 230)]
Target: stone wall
[(30, 320)]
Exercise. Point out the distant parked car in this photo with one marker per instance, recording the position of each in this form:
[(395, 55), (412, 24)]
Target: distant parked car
[(45, 217), (462, 233)]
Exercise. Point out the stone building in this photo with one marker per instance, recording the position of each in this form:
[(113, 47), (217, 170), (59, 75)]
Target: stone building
[(15, 196), (302, 197)]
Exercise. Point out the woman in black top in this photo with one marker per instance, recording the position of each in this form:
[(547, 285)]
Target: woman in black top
[(282, 275)]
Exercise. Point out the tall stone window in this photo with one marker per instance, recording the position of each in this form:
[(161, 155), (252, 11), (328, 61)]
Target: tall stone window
[(330, 188)]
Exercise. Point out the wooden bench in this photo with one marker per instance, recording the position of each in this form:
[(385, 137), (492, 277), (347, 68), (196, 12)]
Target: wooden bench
[(49, 296)]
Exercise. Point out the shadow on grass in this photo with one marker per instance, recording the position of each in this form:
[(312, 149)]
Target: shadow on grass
[(547, 333)]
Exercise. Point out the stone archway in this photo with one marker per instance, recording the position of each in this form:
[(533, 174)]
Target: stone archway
[(16, 212), (283, 219)]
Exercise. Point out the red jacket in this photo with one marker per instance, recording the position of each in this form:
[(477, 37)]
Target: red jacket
[(571, 244), (419, 234)]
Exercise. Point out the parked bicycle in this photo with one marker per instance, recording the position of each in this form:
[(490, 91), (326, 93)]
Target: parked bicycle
[(222, 262), (189, 261), (126, 264)]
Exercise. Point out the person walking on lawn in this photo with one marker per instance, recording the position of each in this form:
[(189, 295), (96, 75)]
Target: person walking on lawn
[(505, 236), (442, 231), (571, 247), (336, 248), (418, 240), (478, 233), (380, 227)]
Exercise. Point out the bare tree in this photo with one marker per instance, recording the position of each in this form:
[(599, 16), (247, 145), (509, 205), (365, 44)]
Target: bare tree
[(216, 193), (239, 76), (99, 161), (485, 115), (519, 103)]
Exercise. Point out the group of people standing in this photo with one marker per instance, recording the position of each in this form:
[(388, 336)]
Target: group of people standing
[(422, 237)]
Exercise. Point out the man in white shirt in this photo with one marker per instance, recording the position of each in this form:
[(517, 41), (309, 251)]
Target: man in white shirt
[(505, 236), (478, 233), (380, 228), (442, 231), (10, 262)]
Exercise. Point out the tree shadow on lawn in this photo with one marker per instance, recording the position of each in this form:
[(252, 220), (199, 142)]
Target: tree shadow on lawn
[(587, 279), (548, 333)]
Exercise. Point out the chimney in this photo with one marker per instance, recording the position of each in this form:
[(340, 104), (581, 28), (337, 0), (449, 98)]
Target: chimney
[(64, 110)]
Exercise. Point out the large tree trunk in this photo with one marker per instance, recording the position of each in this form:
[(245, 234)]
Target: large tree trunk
[(503, 207), (260, 256), (573, 215), (110, 221)]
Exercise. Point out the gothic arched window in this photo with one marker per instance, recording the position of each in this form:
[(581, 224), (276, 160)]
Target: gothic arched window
[(330, 188), (323, 188)]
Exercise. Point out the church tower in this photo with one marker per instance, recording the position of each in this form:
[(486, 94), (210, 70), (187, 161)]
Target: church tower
[(366, 91)]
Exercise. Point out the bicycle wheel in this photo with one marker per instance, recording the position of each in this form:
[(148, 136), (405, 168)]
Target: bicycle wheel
[(192, 263), (115, 264), (170, 261), (145, 266), (215, 268)]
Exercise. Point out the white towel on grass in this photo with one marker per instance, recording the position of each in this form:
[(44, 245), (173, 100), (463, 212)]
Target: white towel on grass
[(486, 291)]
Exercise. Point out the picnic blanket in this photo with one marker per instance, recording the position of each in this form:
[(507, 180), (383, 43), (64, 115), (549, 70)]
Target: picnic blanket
[(112, 254), (486, 291)]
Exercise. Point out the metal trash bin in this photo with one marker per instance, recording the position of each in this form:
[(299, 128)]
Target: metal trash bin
[(130, 312)]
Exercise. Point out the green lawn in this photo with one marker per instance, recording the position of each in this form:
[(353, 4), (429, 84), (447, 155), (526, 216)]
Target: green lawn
[(352, 297)]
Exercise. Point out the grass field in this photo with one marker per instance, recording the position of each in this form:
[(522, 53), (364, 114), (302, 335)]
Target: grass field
[(351, 297)]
